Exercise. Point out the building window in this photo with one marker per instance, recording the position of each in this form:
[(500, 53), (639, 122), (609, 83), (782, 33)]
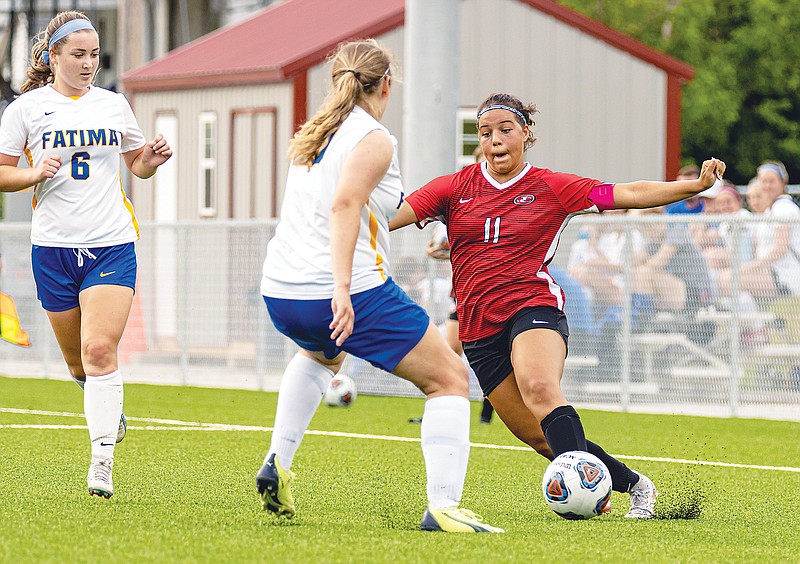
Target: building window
[(208, 164), (466, 137)]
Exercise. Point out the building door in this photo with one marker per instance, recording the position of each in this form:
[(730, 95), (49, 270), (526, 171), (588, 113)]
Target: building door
[(253, 163)]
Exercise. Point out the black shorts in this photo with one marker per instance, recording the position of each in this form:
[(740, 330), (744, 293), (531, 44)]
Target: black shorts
[(490, 358)]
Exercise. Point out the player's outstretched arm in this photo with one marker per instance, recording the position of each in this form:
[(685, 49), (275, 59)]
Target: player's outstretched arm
[(650, 194)]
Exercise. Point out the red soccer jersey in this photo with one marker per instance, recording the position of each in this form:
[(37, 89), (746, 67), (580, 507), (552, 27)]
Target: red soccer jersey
[(502, 236)]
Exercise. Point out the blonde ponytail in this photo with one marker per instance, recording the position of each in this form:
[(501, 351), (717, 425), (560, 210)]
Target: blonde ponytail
[(357, 70)]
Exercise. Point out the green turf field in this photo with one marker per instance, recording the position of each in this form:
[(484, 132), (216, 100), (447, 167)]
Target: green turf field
[(185, 490)]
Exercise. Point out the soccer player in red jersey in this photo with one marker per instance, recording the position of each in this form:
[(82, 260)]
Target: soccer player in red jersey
[(504, 219)]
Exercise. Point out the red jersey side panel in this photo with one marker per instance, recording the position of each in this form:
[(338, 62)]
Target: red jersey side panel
[(501, 238)]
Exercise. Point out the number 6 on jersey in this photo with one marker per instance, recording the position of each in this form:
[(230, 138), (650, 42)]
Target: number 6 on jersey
[(80, 166)]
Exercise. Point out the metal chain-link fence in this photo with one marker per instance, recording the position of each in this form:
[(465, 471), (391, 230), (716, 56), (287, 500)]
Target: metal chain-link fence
[(668, 313)]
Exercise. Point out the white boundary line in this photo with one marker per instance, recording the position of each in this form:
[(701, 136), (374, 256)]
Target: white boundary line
[(177, 425)]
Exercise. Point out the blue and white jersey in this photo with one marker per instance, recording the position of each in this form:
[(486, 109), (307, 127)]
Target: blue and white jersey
[(84, 204), (298, 263)]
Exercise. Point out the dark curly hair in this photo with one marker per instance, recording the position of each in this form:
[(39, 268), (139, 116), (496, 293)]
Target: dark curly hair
[(527, 111)]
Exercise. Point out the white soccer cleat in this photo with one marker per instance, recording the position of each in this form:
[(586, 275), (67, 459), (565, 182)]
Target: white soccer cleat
[(643, 499), (99, 478)]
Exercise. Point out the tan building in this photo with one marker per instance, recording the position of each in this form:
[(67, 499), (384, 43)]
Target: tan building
[(230, 101)]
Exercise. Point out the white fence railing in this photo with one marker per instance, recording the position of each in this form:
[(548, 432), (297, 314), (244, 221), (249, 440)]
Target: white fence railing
[(644, 337)]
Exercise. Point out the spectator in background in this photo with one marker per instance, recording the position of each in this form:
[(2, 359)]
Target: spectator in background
[(670, 273), (682, 245), (435, 291), (775, 269), (716, 240), (689, 205), (781, 249), (596, 261), (757, 199)]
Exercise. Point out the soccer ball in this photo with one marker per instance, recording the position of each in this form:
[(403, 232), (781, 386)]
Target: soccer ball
[(341, 391), (576, 485)]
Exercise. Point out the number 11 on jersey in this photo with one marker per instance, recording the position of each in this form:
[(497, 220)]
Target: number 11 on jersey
[(487, 230)]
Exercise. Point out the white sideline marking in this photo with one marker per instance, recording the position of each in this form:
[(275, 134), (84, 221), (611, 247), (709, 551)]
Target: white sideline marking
[(177, 425), (67, 414)]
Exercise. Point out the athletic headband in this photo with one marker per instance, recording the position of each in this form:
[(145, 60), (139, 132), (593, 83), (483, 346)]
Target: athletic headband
[(503, 107), (733, 191), (78, 24), (776, 169)]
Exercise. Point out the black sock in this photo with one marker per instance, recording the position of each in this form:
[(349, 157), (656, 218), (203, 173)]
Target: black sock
[(563, 430), (622, 477), (486, 410)]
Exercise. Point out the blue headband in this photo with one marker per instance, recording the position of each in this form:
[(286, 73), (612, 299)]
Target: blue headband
[(503, 107), (78, 24), (780, 172)]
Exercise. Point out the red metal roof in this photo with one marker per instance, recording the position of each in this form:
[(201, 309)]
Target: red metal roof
[(269, 46), (295, 35)]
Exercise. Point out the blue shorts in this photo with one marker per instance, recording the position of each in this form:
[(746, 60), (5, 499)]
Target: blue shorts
[(62, 273), (388, 324)]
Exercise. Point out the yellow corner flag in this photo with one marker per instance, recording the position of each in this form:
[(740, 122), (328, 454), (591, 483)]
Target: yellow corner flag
[(9, 323)]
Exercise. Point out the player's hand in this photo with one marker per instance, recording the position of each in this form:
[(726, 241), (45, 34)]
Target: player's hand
[(47, 168), (439, 250), (711, 171), (156, 152), (343, 316)]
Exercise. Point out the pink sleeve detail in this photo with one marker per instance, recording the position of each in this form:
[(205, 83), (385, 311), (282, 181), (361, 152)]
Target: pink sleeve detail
[(603, 196)]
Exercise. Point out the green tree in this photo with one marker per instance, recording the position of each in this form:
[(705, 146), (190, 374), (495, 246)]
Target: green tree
[(744, 103)]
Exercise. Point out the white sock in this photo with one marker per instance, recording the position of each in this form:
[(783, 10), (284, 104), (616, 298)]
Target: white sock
[(445, 446), (81, 383), (102, 405), (303, 384)]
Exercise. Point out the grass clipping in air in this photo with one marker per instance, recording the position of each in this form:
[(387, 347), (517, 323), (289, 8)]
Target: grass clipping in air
[(681, 502)]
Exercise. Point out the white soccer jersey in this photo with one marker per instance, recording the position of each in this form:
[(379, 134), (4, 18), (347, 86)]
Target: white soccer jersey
[(84, 204), (298, 263)]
